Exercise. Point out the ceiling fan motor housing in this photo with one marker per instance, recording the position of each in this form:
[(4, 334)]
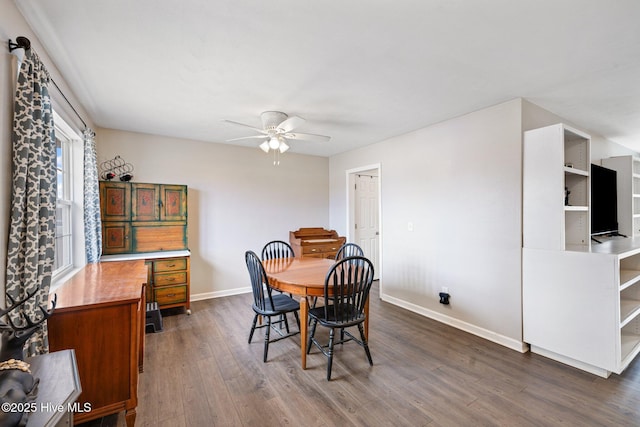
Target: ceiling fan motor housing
[(271, 119)]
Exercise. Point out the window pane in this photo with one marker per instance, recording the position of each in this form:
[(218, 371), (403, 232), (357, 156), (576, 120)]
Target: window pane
[(60, 180), (59, 161), (64, 225)]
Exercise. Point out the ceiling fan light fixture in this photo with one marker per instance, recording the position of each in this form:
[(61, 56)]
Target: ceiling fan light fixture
[(276, 130), (274, 143)]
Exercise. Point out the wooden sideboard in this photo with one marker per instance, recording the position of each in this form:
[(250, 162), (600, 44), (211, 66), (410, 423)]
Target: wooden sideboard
[(315, 242), (101, 315)]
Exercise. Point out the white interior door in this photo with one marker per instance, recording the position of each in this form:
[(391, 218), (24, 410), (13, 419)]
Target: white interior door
[(366, 226)]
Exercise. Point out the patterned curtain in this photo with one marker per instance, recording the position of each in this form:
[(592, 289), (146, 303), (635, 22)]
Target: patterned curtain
[(92, 224), (32, 225)]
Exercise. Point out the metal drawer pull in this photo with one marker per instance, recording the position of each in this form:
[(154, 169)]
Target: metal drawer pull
[(171, 295), (172, 265)]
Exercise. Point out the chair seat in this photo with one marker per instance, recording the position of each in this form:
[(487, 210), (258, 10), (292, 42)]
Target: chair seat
[(282, 303), (350, 312)]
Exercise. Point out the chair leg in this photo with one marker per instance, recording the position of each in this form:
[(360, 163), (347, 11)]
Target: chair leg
[(295, 314), (312, 332), (253, 327), (266, 338), (330, 354), (364, 343), (286, 322)]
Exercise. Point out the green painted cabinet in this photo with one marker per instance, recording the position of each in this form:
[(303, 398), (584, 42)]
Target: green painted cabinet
[(142, 217)]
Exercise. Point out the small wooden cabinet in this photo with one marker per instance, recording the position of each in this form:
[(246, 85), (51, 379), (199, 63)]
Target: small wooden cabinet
[(169, 281), (315, 242)]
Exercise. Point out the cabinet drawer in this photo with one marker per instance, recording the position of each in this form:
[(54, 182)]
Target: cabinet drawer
[(171, 294), (314, 249), (165, 279), (171, 264)]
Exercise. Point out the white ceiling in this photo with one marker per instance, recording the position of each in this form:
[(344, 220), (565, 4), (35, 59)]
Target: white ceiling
[(360, 71)]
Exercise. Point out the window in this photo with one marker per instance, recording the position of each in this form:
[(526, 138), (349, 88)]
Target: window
[(63, 259)]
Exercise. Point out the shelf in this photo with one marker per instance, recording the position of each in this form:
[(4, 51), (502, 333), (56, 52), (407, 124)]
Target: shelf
[(629, 309), (576, 171), (628, 278), (576, 208), (630, 344)]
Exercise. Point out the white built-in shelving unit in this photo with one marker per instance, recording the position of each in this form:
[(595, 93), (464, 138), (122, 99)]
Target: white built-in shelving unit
[(581, 301), (556, 160), (628, 189)]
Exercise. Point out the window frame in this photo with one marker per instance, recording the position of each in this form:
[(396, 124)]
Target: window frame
[(72, 154)]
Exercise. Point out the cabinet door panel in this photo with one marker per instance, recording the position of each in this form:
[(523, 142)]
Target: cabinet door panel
[(146, 202), (115, 201), (173, 203), (116, 238)]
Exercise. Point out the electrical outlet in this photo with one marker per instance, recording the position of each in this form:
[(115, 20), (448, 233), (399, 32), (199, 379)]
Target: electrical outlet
[(409, 226), (445, 289)]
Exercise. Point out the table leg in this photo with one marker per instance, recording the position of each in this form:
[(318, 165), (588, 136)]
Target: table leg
[(304, 322)]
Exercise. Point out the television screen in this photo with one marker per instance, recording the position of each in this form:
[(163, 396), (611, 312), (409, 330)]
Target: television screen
[(604, 201)]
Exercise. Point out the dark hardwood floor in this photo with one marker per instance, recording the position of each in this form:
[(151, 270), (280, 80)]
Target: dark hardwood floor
[(200, 371)]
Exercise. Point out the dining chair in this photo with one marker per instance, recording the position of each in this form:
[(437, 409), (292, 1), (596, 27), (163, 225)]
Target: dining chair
[(266, 305), (347, 250), (277, 249), (346, 290)]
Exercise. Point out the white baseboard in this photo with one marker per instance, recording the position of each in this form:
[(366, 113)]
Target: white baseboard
[(516, 345), (218, 294), (571, 362)]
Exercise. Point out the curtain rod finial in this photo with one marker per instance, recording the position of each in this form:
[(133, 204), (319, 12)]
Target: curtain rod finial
[(21, 43)]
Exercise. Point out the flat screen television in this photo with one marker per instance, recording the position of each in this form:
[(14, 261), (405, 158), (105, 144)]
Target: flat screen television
[(604, 201)]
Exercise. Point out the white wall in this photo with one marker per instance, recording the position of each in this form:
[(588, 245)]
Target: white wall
[(237, 199), (12, 25), (459, 183)]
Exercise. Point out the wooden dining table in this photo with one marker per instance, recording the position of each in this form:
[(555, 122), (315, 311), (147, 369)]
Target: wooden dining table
[(303, 277)]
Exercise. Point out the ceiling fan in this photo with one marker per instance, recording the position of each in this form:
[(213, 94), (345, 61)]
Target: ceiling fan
[(276, 129)]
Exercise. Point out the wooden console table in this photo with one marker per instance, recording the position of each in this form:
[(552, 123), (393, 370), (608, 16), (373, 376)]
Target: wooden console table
[(101, 315)]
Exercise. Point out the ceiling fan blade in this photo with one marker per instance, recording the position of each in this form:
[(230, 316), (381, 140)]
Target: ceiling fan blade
[(290, 124), (249, 137), (247, 126), (307, 137)]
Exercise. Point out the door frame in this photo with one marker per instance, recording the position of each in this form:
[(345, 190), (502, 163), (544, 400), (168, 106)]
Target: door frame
[(350, 180)]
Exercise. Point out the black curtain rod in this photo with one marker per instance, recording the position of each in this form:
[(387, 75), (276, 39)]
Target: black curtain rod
[(25, 43)]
